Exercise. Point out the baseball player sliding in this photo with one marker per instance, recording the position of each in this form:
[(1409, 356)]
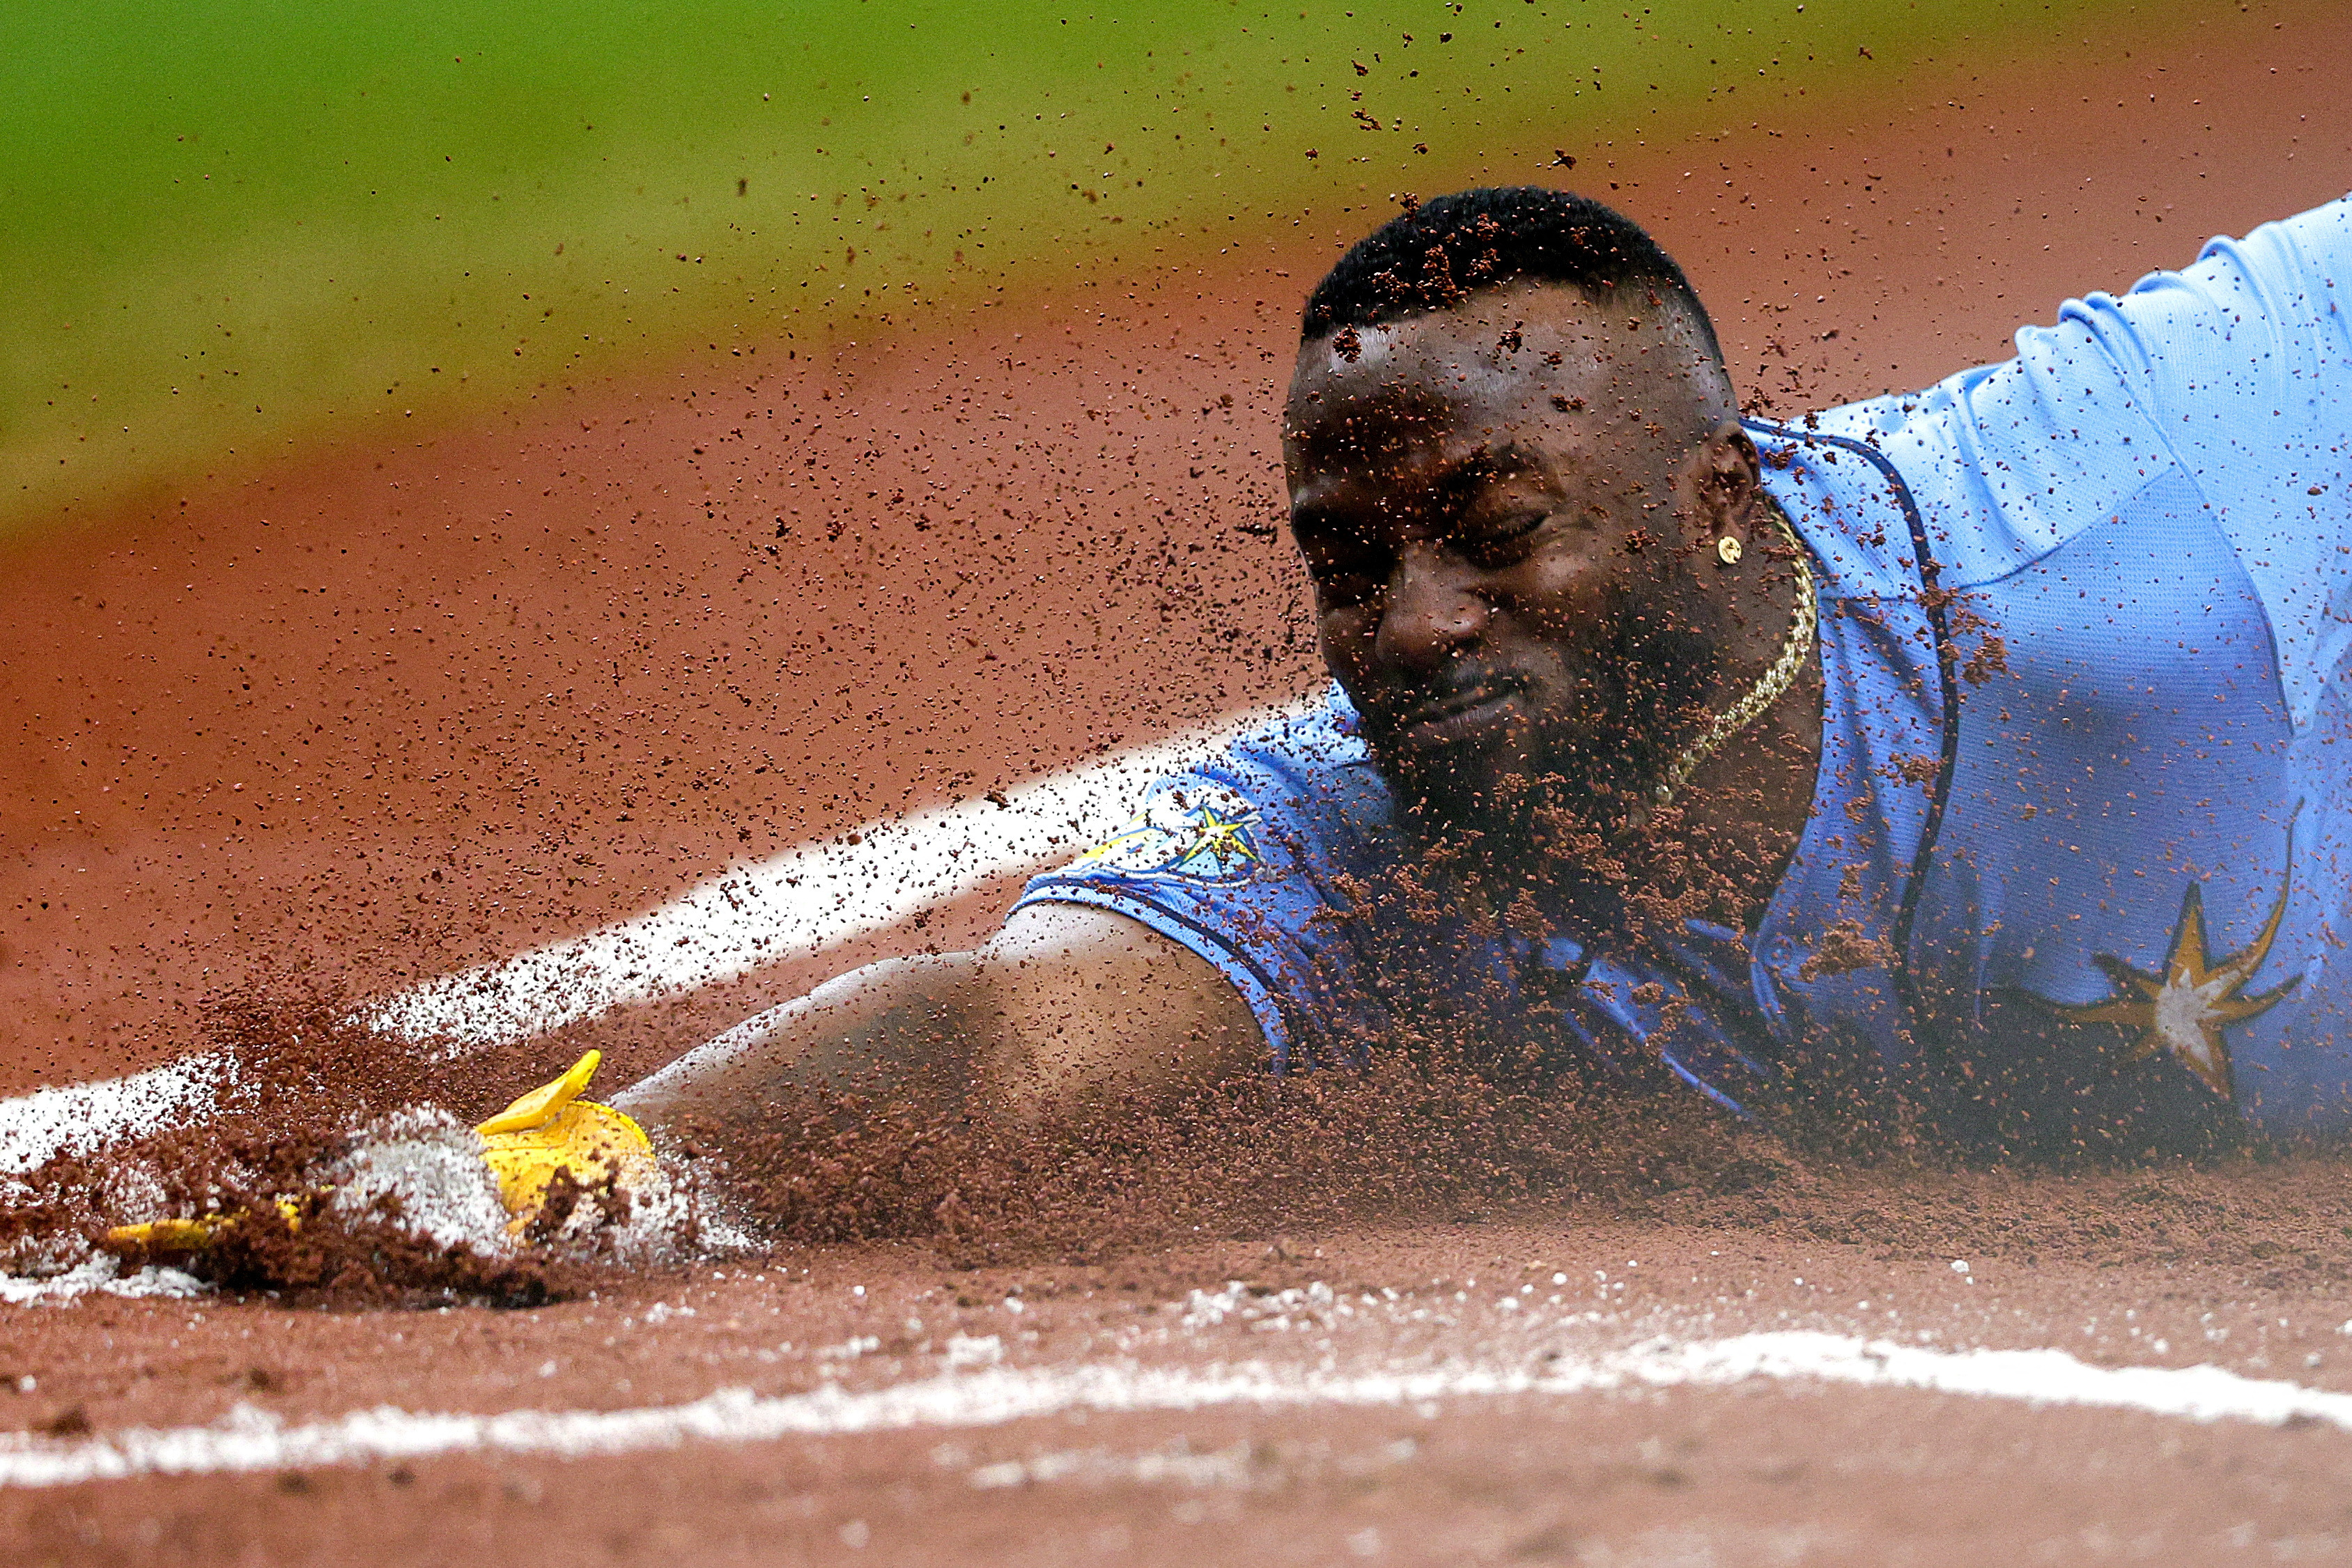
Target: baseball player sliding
[(1971, 762)]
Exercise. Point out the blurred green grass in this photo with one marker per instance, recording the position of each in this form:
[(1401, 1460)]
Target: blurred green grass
[(238, 226)]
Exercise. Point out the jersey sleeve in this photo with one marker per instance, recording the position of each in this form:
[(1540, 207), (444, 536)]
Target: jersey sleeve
[(2244, 365), (2251, 340), (1242, 859), (2234, 373)]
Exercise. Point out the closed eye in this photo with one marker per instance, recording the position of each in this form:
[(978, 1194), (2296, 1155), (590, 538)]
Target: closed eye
[(1508, 544)]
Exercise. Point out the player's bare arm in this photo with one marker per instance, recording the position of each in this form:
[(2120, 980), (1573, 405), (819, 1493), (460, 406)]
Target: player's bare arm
[(1066, 1013)]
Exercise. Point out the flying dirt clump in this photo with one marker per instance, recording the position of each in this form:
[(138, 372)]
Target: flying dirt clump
[(338, 1167), (1418, 1135)]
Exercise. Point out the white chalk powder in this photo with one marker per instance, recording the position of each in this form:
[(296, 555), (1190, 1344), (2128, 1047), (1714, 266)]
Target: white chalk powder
[(427, 1167), (253, 1439), (100, 1272)]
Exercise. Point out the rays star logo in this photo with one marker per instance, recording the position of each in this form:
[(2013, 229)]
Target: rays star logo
[(1206, 834), (2184, 1009), (1224, 841)]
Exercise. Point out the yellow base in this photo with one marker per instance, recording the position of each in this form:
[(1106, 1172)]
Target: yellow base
[(548, 1130), (589, 1140), (551, 1129)]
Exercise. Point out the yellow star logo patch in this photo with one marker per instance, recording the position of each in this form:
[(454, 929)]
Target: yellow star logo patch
[(1225, 838), (1204, 838), (2184, 1009)]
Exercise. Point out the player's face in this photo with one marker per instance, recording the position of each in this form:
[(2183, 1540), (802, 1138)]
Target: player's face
[(1494, 503)]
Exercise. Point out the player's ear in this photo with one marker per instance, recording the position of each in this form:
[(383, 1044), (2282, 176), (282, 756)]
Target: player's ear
[(1723, 479)]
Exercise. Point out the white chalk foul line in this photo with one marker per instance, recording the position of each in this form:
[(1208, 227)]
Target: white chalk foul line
[(803, 901), (83, 1115), (250, 1439)]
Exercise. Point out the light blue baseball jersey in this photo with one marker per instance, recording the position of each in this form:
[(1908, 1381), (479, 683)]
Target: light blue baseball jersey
[(2077, 851)]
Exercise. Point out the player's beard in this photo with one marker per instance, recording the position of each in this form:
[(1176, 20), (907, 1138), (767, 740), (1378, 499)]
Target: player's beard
[(1575, 773)]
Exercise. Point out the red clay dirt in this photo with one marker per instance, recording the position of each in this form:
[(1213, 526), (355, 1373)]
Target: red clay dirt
[(1767, 1476), (387, 711)]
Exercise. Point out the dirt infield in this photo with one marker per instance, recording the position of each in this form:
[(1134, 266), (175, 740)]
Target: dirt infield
[(1808, 1471), (389, 713)]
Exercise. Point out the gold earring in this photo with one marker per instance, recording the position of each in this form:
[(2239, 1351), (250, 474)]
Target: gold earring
[(1729, 549)]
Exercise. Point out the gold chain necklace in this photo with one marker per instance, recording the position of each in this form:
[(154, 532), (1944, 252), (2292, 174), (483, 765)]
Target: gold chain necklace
[(1794, 649)]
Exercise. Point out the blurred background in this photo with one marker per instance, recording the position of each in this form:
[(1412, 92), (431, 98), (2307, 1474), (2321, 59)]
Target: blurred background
[(469, 472), (238, 226)]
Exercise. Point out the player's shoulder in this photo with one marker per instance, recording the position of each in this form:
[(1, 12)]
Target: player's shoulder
[(1849, 500), (1318, 737), (1997, 466), (1306, 767)]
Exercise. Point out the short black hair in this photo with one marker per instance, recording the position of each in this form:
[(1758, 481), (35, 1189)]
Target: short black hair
[(1431, 256)]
